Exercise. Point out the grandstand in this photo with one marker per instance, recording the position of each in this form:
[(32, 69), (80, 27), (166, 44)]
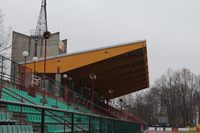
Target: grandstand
[(74, 94)]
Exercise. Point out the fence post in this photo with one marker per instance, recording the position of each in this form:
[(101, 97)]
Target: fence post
[(64, 126), (20, 118), (90, 128), (108, 126), (72, 123), (100, 126), (42, 120), (113, 126)]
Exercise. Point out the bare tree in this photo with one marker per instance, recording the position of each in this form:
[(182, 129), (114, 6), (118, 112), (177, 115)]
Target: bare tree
[(145, 106), (141, 104), (176, 95), (169, 102), (176, 90), (4, 37)]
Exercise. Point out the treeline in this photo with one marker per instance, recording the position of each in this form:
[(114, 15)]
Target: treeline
[(175, 95)]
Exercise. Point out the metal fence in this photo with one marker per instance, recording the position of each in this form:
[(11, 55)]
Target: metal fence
[(45, 119)]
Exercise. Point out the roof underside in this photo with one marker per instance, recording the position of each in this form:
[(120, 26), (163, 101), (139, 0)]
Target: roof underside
[(124, 69)]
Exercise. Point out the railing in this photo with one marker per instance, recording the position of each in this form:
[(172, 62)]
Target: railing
[(21, 77), (108, 110), (17, 84), (7, 79), (22, 99), (90, 123)]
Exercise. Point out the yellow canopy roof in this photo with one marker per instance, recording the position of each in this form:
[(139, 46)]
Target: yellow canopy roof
[(122, 68)]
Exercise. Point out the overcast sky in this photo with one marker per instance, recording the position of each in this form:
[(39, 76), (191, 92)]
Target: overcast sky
[(171, 27)]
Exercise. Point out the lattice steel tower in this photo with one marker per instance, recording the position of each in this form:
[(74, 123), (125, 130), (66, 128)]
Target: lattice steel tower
[(42, 20), (41, 26)]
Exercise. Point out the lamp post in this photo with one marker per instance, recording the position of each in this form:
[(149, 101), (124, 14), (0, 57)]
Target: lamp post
[(65, 76), (69, 93), (65, 89), (46, 35), (110, 91), (70, 82), (25, 54), (93, 77), (35, 59)]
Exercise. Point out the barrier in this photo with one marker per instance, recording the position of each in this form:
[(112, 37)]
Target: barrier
[(56, 120), (151, 129), (183, 129), (197, 129), (169, 129)]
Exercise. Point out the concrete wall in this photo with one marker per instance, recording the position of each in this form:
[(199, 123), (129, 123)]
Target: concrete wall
[(21, 42)]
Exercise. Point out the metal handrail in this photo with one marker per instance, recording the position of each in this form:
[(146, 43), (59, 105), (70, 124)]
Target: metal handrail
[(10, 77), (60, 110), (73, 92), (33, 104)]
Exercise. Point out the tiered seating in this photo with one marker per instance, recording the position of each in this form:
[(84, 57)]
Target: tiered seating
[(34, 115), (16, 129)]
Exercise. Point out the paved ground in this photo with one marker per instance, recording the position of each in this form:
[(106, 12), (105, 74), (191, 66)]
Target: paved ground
[(158, 132), (169, 132)]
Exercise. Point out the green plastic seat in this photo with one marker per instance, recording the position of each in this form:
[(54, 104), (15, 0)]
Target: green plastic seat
[(1, 129), (4, 129), (19, 129), (23, 128), (15, 129), (5, 117), (29, 129), (10, 129), (57, 129)]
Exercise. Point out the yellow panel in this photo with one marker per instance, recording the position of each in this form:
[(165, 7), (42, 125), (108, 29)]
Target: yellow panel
[(70, 62)]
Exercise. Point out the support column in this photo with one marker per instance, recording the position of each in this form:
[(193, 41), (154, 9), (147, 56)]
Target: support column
[(57, 86)]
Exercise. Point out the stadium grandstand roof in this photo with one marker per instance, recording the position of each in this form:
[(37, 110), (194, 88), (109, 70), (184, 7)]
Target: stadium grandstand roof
[(121, 68)]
